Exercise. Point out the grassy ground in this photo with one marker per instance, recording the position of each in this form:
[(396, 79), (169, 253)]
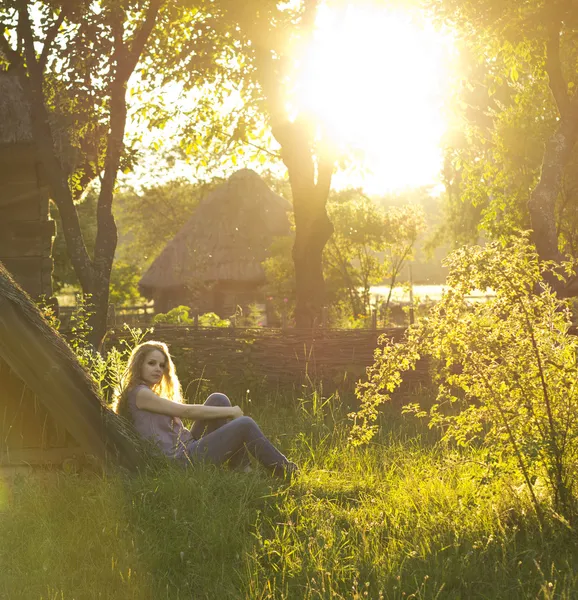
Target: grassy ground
[(403, 518)]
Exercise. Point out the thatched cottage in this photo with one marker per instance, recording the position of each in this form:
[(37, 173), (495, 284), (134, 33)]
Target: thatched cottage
[(214, 262), (26, 230)]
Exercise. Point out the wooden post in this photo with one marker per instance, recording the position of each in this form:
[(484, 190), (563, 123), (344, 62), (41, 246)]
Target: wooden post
[(196, 320), (111, 315), (374, 318), (324, 317)]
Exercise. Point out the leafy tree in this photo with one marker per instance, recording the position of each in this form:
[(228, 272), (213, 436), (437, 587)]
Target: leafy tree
[(264, 37), (148, 219), (402, 227), (515, 165), (74, 61), (369, 245)]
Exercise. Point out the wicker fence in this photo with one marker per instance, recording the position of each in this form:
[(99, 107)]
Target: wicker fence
[(273, 357)]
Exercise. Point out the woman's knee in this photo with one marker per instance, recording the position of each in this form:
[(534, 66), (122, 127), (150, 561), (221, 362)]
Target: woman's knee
[(246, 423), (217, 399)]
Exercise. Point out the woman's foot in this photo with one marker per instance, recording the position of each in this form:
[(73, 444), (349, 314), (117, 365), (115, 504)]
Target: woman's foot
[(286, 471)]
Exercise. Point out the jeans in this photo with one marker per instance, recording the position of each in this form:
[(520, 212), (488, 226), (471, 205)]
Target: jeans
[(221, 440)]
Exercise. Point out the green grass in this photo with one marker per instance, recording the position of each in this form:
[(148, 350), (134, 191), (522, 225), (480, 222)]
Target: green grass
[(402, 518)]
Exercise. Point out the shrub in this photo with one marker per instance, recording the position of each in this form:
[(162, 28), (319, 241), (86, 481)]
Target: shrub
[(178, 315), (212, 319), (505, 368)]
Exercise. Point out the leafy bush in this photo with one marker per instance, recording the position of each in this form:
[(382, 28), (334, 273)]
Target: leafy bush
[(178, 315), (506, 369), (212, 319), (106, 369)]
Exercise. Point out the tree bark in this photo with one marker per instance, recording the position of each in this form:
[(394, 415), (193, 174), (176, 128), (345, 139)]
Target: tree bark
[(557, 152), (312, 225)]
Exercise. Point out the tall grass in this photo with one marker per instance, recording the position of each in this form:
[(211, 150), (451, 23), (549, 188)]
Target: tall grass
[(402, 518)]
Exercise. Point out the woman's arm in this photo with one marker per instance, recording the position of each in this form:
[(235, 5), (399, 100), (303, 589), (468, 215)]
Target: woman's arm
[(147, 400)]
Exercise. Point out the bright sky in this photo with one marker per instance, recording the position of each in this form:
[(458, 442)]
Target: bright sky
[(377, 80)]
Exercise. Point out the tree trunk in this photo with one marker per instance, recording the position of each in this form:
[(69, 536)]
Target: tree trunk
[(106, 237), (542, 202), (312, 231), (312, 225)]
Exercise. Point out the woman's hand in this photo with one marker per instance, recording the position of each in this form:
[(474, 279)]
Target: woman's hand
[(237, 412)]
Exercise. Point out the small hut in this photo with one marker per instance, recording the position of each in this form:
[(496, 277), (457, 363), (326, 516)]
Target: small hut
[(50, 411), (214, 262), (26, 230)]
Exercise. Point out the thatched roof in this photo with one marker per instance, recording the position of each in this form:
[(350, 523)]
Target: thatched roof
[(226, 239), (14, 112), (47, 366)]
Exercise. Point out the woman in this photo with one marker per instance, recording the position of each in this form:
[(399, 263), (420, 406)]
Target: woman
[(151, 398)]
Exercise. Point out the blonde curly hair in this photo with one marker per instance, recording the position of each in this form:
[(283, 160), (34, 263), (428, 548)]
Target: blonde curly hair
[(168, 387)]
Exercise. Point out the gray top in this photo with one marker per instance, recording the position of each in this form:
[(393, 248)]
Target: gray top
[(168, 433)]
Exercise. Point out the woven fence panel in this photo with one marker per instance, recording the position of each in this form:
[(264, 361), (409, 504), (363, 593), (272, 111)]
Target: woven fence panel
[(237, 357)]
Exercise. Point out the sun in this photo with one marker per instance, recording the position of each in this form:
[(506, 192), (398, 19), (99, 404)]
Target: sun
[(376, 79)]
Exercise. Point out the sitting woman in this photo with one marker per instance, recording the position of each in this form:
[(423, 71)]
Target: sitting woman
[(151, 398)]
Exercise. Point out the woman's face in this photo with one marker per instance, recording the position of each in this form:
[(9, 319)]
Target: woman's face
[(153, 367)]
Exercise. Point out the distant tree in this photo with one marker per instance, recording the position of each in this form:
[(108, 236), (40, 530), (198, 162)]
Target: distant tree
[(351, 257), (517, 161), (369, 245), (280, 276), (149, 218)]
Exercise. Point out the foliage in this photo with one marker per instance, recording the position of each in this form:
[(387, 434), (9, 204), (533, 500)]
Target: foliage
[(506, 369), (510, 100), (124, 279), (351, 260), (105, 369), (74, 63), (251, 317), (402, 227), (179, 315), (280, 276), (212, 319), (149, 218), (370, 244)]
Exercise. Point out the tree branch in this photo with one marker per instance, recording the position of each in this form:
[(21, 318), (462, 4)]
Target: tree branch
[(141, 37), (11, 55), (50, 37), (324, 174), (557, 83), (25, 32)]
